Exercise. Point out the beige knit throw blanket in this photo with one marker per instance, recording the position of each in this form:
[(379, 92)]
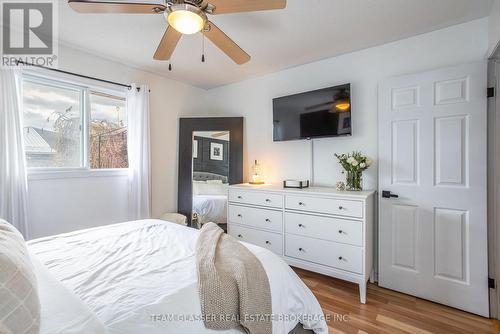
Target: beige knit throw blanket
[(233, 285)]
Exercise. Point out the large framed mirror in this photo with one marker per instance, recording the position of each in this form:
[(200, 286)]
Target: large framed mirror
[(210, 159)]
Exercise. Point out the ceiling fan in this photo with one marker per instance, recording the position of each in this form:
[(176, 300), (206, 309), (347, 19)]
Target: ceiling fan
[(341, 102), (185, 17)]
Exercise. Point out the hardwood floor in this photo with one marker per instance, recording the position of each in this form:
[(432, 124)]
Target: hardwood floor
[(387, 311)]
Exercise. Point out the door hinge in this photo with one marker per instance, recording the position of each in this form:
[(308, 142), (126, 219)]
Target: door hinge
[(491, 283), (491, 92)]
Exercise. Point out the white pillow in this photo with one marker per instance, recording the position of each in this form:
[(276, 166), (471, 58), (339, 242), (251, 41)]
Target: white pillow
[(19, 301), (214, 181), (210, 189)]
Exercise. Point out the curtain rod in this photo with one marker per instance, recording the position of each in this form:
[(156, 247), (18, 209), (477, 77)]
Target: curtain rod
[(78, 75)]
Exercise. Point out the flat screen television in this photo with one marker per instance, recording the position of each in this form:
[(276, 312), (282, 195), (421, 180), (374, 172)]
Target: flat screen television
[(320, 113)]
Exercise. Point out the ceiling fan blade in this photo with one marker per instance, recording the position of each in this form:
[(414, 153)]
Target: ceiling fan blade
[(167, 45), (320, 105), (226, 44), (220, 134), (238, 6), (92, 6)]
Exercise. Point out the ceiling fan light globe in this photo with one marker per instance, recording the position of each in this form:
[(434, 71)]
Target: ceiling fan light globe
[(343, 106), (186, 21)]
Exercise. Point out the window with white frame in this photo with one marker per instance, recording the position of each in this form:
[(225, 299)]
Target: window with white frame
[(73, 126)]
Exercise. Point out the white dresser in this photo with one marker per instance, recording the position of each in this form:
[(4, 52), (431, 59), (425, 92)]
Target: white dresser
[(317, 229)]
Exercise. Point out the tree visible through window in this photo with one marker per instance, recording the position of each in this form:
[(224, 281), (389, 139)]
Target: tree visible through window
[(52, 125), (108, 131), (60, 130)]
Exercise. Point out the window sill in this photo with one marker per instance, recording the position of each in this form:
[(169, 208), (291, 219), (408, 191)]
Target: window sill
[(47, 174)]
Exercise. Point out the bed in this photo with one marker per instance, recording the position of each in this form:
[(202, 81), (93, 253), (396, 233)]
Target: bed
[(210, 208), (140, 277), (210, 197)]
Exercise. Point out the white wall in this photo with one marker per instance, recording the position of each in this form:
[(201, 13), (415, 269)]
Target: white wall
[(63, 204), (494, 27), (363, 69)]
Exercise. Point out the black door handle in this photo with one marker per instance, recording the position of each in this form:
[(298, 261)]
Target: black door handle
[(388, 194)]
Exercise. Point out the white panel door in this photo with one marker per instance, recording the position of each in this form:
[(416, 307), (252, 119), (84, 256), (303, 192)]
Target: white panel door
[(432, 150)]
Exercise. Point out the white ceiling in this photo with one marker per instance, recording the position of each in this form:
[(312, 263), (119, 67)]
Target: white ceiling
[(306, 31)]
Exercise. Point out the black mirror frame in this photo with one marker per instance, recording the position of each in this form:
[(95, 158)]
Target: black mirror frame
[(185, 177)]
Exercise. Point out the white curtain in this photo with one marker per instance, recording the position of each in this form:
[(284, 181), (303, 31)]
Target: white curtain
[(139, 152), (13, 183)]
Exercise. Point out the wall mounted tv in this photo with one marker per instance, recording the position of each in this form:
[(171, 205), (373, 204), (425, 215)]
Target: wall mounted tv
[(320, 113)]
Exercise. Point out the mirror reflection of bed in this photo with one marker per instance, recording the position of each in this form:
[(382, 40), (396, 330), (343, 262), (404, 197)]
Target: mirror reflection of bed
[(210, 177)]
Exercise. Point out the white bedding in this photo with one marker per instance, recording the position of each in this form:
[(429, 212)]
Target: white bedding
[(136, 276), (210, 208), (61, 311)]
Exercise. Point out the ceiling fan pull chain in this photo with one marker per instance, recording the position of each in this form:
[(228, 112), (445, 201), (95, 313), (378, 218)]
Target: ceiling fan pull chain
[(202, 48)]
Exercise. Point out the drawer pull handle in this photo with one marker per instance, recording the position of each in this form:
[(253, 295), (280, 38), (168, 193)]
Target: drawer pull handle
[(301, 249), (239, 215), (301, 203), (341, 207), (268, 242), (301, 225), (240, 197), (340, 231), (268, 220), (240, 236), (341, 258), (268, 200)]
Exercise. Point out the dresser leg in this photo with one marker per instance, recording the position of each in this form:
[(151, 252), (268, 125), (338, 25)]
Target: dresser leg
[(362, 293)]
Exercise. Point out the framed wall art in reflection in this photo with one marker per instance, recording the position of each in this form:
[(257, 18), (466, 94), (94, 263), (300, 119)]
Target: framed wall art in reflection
[(216, 151)]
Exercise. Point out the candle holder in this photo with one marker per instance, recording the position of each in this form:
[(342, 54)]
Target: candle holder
[(256, 174)]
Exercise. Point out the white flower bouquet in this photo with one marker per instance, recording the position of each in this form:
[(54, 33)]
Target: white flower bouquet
[(354, 164)]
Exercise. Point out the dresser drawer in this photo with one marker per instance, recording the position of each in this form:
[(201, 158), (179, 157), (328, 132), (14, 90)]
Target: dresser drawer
[(333, 229), (269, 240), (256, 198), (256, 217), (348, 208), (328, 253)]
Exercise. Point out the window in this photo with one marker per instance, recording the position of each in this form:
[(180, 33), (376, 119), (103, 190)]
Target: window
[(108, 131), (52, 125), (73, 126)]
